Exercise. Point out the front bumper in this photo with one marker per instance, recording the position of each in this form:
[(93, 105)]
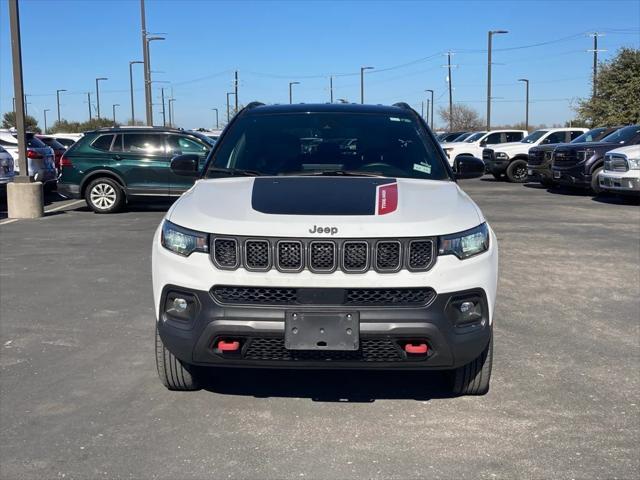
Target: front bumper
[(621, 182), (497, 166), (573, 176), (383, 326), (539, 173)]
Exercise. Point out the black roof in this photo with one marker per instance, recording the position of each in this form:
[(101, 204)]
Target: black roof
[(327, 108), (130, 128)]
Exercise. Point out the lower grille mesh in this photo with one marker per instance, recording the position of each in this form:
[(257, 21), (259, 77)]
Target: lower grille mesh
[(371, 350)]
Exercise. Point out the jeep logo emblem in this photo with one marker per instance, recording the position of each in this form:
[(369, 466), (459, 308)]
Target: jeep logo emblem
[(329, 230)]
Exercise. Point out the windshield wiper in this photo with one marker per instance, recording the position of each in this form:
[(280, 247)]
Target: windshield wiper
[(334, 173), (234, 172)]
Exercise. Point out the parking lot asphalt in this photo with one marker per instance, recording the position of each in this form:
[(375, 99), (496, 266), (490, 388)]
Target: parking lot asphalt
[(79, 395)]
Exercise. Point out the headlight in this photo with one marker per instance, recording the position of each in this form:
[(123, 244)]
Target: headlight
[(465, 244), (585, 154), (634, 163), (182, 240), (448, 151), (502, 156)]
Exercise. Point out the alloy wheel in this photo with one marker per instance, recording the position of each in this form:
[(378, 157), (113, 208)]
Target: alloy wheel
[(103, 196)]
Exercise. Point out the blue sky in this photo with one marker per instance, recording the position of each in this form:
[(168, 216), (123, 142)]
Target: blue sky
[(68, 43)]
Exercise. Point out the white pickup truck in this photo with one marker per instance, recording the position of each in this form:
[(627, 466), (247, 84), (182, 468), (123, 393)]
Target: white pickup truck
[(473, 145), (511, 158)]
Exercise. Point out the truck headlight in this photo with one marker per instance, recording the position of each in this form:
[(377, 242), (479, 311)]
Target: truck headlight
[(465, 244), (585, 154), (634, 163), (182, 240), (502, 156)]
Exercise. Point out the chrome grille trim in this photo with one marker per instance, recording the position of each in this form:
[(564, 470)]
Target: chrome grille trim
[(616, 163)]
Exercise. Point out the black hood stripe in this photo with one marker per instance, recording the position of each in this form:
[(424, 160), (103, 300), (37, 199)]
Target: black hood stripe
[(317, 195)]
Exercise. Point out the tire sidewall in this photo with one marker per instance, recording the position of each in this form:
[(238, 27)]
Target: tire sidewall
[(595, 185), (512, 168), (117, 204)]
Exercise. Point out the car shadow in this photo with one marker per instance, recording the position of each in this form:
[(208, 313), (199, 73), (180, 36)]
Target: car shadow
[(535, 186), (616, 199), (566, 190), (328, 385)]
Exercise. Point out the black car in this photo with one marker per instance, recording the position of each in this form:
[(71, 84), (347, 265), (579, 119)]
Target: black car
[(450, 136), (578, 164), (539, 163)]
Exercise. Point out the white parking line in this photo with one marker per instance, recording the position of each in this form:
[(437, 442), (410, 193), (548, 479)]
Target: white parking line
[(46, 210)]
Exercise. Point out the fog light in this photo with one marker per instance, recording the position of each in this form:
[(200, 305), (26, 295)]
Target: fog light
[(180, 306), (465, 307), (467, 310)]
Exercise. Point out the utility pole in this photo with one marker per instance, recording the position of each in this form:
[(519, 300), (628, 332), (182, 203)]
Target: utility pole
[(450, 92), (362, 69), (526, 115), (228, 107), (26, 104), (89, 103), (490, 35), (114, 113), (45, 119), (595, 51), (58, 100), (164, 117), (171, 113), (331, 89), (147, 69), (432, 104), (217, 123), (98, 94), (24, 197), (422, 109), (291, 84), (236, 91), (428, 106), (133, 114)]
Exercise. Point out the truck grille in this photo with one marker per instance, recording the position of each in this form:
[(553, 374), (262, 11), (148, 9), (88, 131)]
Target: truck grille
[(616, 163), (371, 350), (362, 297), (564, 158), (323, 256), (536, 157), (488, 155)]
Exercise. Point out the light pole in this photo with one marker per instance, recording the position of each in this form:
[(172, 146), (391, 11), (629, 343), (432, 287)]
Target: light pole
[(164, 116), (490, 35), (114, 113), (217, 124), (526, 115), (58, 100), (26, 102), (291, 84), (45, 119), (171, 114), (98, 94), (331, 88), (147, 80), (431, 121), (228, 115), (362, 69), (133, 115), (89, 103)]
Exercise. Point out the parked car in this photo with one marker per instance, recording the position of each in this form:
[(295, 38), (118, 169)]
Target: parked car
[(621, 172), (539, 162), (579, 164), (7, 171), (325, 259), (474, 144), (450, 136), (111, 166), (212, 134), (66, 139), (463, 137), (57, 147), (510, 159), (40, 158)]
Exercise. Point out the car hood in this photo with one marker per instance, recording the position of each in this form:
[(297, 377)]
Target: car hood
[(511, 147), (351, 207), (597, 146)]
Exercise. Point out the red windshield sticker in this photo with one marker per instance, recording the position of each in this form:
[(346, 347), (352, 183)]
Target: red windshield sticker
[(387, 198)]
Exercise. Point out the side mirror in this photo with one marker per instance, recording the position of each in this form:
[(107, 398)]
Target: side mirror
[(185, 165), (483, 143), (468, 167)]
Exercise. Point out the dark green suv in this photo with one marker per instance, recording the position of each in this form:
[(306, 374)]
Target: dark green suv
[(112, 166)]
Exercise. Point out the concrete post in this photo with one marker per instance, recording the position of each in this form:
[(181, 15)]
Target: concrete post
[(25, 200)]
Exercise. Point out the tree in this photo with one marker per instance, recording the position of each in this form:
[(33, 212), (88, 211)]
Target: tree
[(66, 126), (617, 101), (30, 123), (464, 118)]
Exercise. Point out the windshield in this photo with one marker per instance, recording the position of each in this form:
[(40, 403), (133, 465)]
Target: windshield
[(462, 137), (622, 135), (590, 136), (475, 137), (303, 144), (534, 137)]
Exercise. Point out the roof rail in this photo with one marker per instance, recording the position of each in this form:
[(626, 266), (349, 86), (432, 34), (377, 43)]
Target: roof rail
[(402, 105), (254, 105)]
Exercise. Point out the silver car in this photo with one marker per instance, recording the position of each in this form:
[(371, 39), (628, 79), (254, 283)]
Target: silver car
[(6, 167), (40, 158)]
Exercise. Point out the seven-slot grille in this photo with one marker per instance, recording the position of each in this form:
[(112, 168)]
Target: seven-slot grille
[(616, 163), (323, 256)]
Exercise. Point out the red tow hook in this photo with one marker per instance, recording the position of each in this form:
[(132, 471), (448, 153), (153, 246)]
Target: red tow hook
[(225, 346), (416, 348)]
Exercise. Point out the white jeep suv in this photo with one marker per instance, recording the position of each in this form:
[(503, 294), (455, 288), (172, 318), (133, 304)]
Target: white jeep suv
[(475, 143), (325, 236)]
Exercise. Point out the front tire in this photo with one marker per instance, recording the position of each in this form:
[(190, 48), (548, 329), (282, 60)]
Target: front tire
[(517, 171), (104, 195), (173, 374), (473, 378), (595, 182)]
